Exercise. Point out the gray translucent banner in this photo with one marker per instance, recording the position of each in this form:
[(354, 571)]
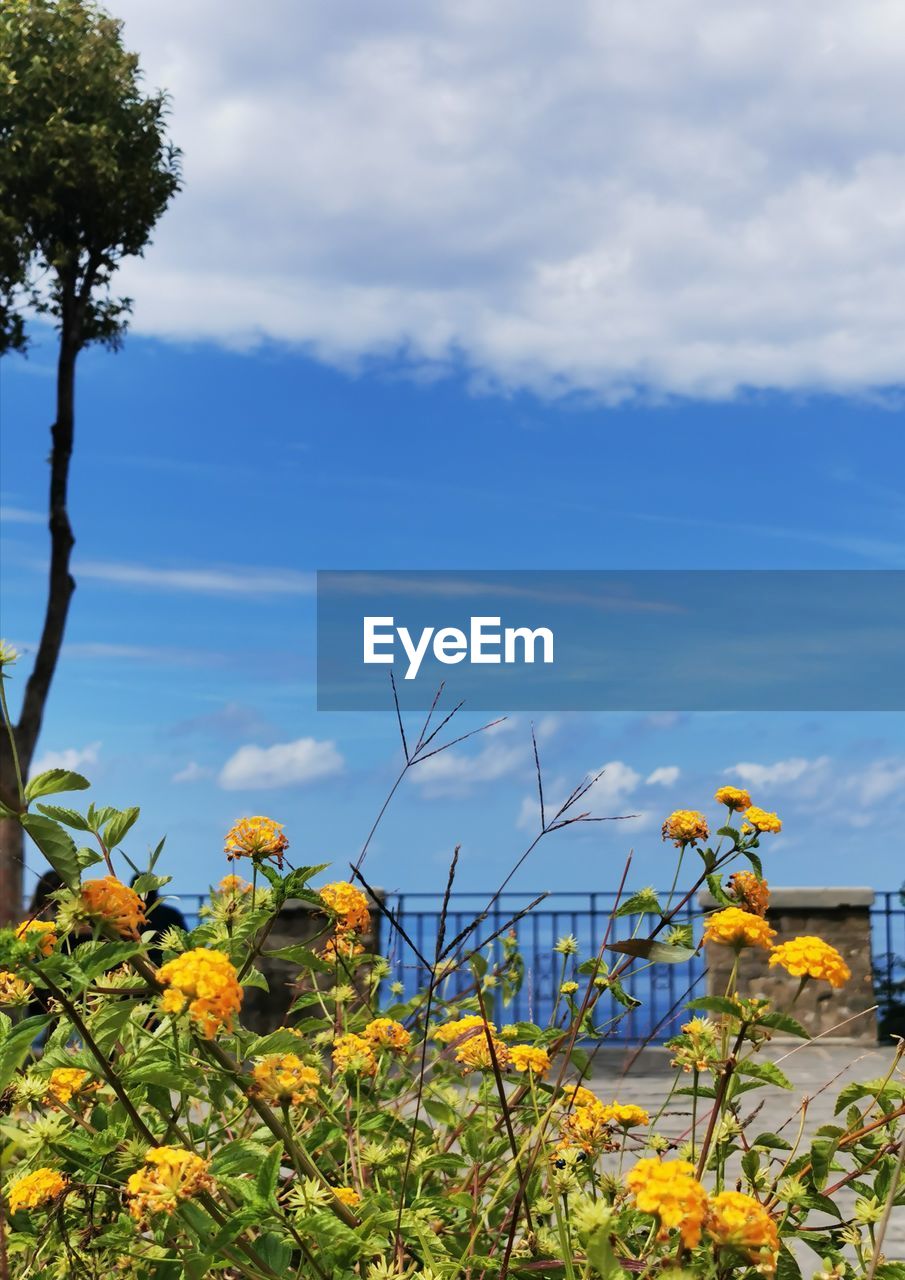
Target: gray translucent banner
[(634, 640)]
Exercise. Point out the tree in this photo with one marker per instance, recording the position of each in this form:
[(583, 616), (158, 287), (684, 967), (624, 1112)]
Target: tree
[(86, 170)]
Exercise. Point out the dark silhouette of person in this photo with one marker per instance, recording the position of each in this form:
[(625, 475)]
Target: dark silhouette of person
[(161, 916)]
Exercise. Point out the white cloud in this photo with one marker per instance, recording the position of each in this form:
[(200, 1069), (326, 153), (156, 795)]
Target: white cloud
[(878, 781), (606, 798), (674, 195), (456, 773), (780, 774), (285, 764), (193, 772), (243, 581), (69, 758), (665, 776), (20, 515)]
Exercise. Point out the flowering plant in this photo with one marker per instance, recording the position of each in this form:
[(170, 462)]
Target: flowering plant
[(153, 1136)]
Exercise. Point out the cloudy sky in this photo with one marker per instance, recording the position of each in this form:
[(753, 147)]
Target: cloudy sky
[(490, 286)]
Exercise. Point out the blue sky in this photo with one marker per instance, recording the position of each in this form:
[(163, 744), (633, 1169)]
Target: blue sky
[(464, 288)]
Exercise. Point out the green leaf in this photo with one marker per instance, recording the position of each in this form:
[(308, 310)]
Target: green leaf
[(772, 1142), (786, 1266), (238, 1157), (56, 844), (715, 1004), (823, 1150), (715, 885), (300, 955), (769, 1072), (269, 1173), (785, 1022), (651, 949), (641, 903), (54, 780), (275, 1251), (117, 827), (108, 1023), (755, 862), (68, 817), (15, 1046)]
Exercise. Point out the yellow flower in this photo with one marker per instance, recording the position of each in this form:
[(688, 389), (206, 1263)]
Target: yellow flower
[(354, 1053), (568, 988), (207, 983), (669, 1189), (256, 838), (625, 1115), (738, 1220), (750, 890), (733, 797), (36, 1188), (348, 1195), (348, 904), (474, 1053), (168, 1176), (577, 1096), (42, 932), (527, 1058), (342, 947), (451, 1031), (13, 989), (761, 820), (115, 903), (736, 928), (810, 957), (586, 1127), (233, 886), (386, 1033), (284, 1077), (66, 1082), (685, 826)]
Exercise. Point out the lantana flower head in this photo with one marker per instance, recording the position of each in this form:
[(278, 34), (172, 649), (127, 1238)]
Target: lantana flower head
[(347, 1196), (733, 927), (761, 820), (625, 1115), (113, 902), (258, 838), (530, 1058), (342, 946), (735, 798), (36, 1189), (811, 957), (65, 1083), (13, 989), (354, 1054), (738, 1220), (41, 933), (206, 983), (285, 1078), (348, 904), (670, 1190), (233, 887), (169, 1175), (474, 1053), (750, 891), (387, 1033), (685, 826), (447, 1032)]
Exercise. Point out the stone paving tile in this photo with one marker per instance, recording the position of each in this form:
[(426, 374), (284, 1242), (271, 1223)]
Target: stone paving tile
[(818, 1069)]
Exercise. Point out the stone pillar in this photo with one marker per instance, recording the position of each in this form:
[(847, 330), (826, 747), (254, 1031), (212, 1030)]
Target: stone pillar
[(298, 923), (841, 917)]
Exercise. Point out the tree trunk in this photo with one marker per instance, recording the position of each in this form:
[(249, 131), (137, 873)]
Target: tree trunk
[(61, 585)]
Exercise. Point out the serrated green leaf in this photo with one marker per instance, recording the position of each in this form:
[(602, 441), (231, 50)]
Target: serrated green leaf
[(269, 1173), (644, 902), (15, 1045), (116, 829), (52, 781), (769, 1072), (715, 1004), (68, 817), (785, 1022), (56, 844), (651, 949)]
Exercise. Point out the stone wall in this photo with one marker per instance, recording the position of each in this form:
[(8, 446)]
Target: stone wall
[(298, 923), (841, 916)]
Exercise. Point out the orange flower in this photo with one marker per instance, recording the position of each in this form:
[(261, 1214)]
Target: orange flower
[(13, 989), (284, 1077), (342, 947), (761, 820), (733, 797), (168, 1176), (736, 928), (256, 838), (740, 1221), (750, 890), (669, 1189), (115, 903), (450, 1031), (810, 957), (352, 1053), (66, 1082), (474, 1053), (347, 1195), (41, 932), (685, 826), (35, 1189), (206, 982), (348, 904), (387, 1033), (528, 1058)]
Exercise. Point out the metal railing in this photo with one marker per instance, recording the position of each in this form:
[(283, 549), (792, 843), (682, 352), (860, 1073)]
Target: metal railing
[(661, 989)]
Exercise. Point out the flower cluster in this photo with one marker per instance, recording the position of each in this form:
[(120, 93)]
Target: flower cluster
[(761, 820), (739, 1221), (114, 903), (13, 989), (354, 1054), (750, 892), (35, 1189), (205, 982), (387, 1033), (233, 887), (736, 928), (810, 957), (735, 798), (257, 838), (696, 1048), (284, 1078), (685, 826), (589, 1124), (528, 1058), (448, 1032), (349, 905), (169, 1175), (669, 1190), (43, 933), (67, 1082)]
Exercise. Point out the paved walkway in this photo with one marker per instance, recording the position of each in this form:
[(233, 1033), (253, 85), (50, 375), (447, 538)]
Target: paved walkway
[(816, 1068)]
